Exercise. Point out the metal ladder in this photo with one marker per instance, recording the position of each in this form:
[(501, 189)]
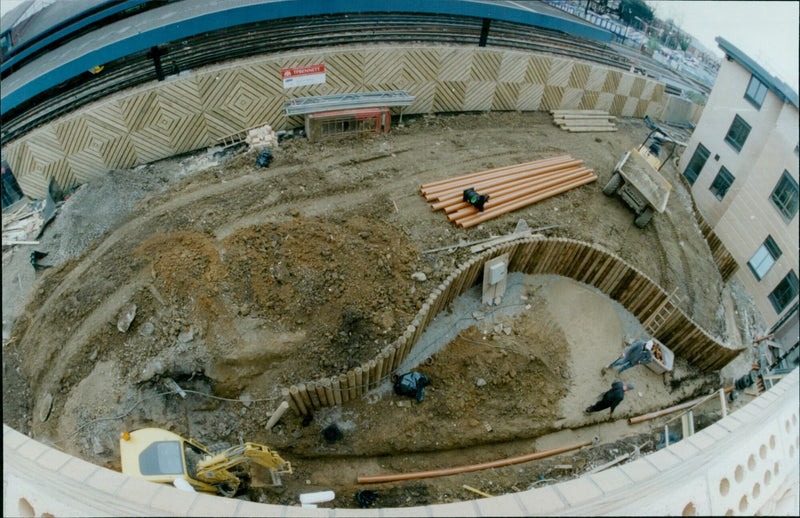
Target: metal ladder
[(321, 103)]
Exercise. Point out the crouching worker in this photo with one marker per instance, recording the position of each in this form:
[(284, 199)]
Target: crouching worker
[(411, 384), (611, 398), (638, 353)]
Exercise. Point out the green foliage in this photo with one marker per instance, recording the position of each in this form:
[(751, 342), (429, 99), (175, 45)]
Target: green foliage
[(629, 10), (652, 43)]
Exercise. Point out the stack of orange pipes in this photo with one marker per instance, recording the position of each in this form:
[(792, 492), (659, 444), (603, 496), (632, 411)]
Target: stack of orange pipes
[(509, 188)]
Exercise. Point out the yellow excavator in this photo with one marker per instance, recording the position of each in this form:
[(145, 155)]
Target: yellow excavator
[(162, 456)]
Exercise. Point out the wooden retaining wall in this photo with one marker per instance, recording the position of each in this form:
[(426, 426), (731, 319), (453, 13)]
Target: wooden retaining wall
[(580, 261), (725, 262), (200, 109)]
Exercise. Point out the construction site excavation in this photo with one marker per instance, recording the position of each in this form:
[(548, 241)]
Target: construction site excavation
[(230, 303)]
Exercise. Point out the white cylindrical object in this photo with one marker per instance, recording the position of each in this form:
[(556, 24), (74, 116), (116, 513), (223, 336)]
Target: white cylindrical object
[(183, 485), (316, 498), (277, 414)]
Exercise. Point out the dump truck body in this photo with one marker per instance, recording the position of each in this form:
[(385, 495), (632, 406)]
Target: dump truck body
[(640, 185)]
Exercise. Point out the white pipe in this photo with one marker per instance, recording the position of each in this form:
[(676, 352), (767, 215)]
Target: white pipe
[(316, 498), (277, 414)]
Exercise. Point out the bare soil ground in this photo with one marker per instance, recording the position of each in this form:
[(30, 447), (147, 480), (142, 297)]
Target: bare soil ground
[(246, 280)]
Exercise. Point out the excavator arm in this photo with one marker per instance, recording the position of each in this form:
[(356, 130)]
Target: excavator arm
[(215, 470)]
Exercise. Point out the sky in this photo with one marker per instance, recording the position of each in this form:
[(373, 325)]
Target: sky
[(765, 30)]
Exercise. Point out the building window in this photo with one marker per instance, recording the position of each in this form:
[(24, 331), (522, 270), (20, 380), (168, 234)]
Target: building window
[(764, 258), (737, 133), (721, 184), (696, 163), (756, 92), (784, 197), (784, 293)]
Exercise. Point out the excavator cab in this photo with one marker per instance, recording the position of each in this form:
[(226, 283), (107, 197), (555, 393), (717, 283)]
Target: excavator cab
[(162, 456)]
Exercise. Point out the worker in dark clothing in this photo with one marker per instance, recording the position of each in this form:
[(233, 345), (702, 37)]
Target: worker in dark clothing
[(612, 398), (638, 353)]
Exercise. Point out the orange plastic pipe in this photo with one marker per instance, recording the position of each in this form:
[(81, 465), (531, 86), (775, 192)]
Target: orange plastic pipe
[(458, 186), (509, 196), (430, 193), (369, 479), (458, 190), (522, 202), (513, 204), (506, 186), (518, 192), (429, 185), (443, 184)]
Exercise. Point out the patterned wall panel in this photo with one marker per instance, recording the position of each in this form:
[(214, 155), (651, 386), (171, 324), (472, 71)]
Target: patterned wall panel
[(538, 70), (449, 96), (479, 95), (658, 93), (560, 71), (638, 87), (589, 101), (506, 96), (530, 97), (551, 100), (42, 154), (513, 67), (629, 107), (625, 84), (618, 104), (189, 112), (381, 71), (641, 108), (647, 91), (596, 80), (424, 93), (612, 81), (486, 66), (571, 99), (455, 65), (420, 65), (579, 77), (604, 102)]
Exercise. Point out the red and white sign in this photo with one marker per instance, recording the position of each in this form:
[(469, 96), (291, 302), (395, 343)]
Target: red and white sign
[(305, 75)]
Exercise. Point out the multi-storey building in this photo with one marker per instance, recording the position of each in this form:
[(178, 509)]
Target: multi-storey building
[(742, 163)]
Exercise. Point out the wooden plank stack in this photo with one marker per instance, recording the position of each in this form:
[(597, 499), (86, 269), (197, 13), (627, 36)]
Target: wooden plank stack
[(509, 188), (21, 226), (577, 121)]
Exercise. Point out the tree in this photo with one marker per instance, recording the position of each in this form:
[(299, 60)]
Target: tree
[(629, 10)]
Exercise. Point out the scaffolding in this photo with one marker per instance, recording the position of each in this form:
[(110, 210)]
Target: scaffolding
[(323, 103)]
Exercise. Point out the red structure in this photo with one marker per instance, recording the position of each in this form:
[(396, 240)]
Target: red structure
[(347, 122)]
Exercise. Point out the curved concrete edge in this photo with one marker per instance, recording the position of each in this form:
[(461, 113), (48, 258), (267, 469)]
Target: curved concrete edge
[(746, 463)]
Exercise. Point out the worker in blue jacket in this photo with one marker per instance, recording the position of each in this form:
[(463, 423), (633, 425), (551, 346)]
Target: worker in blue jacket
[(639, 352)]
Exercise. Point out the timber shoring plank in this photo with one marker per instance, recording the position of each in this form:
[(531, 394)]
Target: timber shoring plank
[(605, 271)]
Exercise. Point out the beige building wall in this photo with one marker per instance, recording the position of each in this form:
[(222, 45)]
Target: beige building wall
[(745, 216)]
